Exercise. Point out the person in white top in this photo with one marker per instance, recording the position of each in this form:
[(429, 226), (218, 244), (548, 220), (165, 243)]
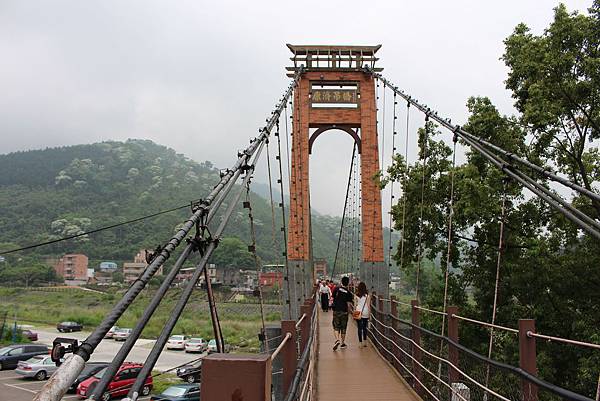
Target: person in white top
[(363, 305), (325, 293)]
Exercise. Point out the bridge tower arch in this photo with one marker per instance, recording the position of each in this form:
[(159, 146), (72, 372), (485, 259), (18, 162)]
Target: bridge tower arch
[(333, 92)]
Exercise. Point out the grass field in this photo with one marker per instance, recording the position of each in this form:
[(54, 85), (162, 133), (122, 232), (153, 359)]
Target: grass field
[(240, 322)]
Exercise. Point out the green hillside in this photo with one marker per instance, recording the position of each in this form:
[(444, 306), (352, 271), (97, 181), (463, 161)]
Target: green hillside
[(51, 193)]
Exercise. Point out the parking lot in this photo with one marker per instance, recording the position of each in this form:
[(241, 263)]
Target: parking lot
[(14, 387)]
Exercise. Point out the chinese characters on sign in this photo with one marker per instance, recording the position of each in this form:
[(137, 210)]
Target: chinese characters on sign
[(342, 96)]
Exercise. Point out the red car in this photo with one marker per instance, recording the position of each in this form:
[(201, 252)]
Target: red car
[(30, 335), (120, 384)]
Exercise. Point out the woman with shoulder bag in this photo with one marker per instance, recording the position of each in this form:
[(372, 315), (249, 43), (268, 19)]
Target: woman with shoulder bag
[(361, 313)]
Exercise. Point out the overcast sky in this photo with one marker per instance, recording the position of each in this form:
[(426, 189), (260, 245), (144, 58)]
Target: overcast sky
[(202, 76)]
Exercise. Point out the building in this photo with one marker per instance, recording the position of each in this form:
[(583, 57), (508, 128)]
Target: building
[(103, 278), (320, 266), (73, 267), (230, 277), (132, 270), (186, 274), (108, 266), (270, 279)]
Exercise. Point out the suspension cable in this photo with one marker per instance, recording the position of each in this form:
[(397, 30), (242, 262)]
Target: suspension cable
[(391, 221), (496, 285), (276, 245), (383, 131), (212, 243), (343, 214), (420, 255), (354, 214), (252, 248), (576, 216), (404, 194), (65, 375), (282, 206), (450, 220)]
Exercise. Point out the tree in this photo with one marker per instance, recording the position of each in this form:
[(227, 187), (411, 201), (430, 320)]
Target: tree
[(232, 252), (117, 277), (555, 80)]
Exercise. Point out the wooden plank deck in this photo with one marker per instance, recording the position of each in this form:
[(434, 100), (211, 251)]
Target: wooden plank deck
[(354, 373)]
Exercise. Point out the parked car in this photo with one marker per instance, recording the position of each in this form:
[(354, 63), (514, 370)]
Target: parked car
[(30, 334), (122, 334), (177, 342), (196, 345), (111, 332), (40, 367), (212, 346), (179, 392), (67, 327), (119, 386), (90, 369), (12, 354), (191, 372)]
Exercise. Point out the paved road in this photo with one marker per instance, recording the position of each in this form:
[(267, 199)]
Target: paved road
[(108, 348)]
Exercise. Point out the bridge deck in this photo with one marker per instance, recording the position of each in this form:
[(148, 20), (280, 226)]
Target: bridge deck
[(354, 373)]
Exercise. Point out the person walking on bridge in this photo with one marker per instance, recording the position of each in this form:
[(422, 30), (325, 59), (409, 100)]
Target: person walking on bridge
[(362, 312), (325, 293), (342, 305)]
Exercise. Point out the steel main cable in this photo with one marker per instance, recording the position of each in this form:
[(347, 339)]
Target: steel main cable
[(212, 243), (164, 287), (576, 216), (155, 301), (96, 230), (54, 389)]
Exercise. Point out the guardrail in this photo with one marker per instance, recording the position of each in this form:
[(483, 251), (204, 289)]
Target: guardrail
[(439, 368)]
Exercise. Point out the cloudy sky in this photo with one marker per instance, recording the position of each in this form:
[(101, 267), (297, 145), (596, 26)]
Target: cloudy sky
[(201, 76)]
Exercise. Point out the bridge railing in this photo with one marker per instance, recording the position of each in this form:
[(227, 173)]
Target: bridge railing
[(299, 367), (439, 368)]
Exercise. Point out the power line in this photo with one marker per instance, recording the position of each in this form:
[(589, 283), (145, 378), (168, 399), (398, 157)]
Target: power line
[(97, 229)]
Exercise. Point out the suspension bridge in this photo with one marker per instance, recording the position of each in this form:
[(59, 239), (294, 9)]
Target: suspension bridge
[(339, 88)]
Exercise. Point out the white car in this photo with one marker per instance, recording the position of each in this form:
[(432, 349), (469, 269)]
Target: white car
[(121, 334), (40, 367), (111, 332), (177, 342), (196, 345)]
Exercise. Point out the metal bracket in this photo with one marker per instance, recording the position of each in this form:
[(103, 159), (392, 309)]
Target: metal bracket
[(150, 256), (59, 350)]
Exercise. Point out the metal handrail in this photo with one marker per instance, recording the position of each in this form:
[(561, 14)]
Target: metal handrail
[(304, 361), (561, 392), (435, 357), (280, 346), (563, 340), (431, 310), (300, 320), (495, 326)]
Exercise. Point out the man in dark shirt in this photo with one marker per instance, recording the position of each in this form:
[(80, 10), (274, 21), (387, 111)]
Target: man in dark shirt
[(342, 304)]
